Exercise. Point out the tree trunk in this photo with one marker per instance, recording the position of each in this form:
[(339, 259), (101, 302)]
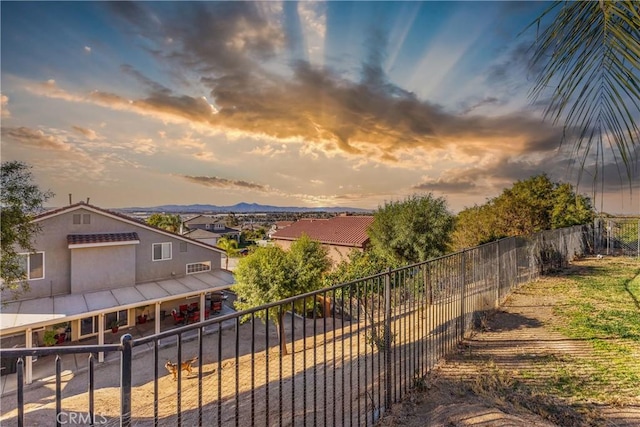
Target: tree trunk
[(281, 335)]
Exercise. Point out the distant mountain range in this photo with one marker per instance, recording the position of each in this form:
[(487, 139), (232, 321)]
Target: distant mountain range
[(239, 208)]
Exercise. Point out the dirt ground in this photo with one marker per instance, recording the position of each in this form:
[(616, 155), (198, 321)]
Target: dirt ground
[(473, 387), (484, 383)]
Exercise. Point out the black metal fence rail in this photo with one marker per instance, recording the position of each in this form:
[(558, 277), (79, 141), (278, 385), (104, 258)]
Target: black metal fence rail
[(350, 351)]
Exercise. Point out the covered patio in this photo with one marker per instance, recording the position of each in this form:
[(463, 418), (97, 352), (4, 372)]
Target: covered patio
[(101, 317)]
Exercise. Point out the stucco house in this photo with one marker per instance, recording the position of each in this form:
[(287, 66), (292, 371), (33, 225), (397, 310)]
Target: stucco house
[(93, 267), (216, 227), (340, 234)]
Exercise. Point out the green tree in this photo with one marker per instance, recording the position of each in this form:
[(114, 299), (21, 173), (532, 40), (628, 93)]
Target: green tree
[(167, 222), (570, 208), (525, 208), (529, 206), (230, 246), (231, 220), (311, 261), (589, 60), (357, 265), (271, 274), (475, 226), (412, 230), (252, 235), (21, 201)]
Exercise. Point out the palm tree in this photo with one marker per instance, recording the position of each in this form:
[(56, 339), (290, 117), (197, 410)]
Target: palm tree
[(230, 246), (589, 59)]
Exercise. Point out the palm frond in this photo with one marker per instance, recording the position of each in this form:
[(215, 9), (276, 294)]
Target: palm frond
[(589, 61)]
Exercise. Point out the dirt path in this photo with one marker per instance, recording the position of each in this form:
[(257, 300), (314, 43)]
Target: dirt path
[(493, 377)]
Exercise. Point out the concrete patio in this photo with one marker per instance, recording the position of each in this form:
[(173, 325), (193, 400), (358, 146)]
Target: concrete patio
[(44, 367)]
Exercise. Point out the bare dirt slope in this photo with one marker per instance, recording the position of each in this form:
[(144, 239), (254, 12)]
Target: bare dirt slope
[(493, 378)]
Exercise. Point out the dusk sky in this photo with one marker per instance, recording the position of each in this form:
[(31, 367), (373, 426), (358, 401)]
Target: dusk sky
[(288, 104)]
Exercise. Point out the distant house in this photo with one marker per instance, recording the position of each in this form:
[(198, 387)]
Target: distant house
[(215, 226), (340, 234), (92, 268), (203, 236), (278, 225)]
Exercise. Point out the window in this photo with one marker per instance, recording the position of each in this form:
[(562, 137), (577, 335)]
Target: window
[(206, 226), (81, 219), (161, 251), (89, 326), (218, 226), (33, 265), (120, 317), (197, 267), (183, 246)]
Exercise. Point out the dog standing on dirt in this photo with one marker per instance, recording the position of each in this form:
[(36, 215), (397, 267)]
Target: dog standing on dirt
[(185, 366)]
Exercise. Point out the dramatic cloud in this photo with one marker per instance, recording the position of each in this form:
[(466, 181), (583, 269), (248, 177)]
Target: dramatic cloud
[(54, 154), (230, 45), (213, 181), (492, 175), (34, 138)]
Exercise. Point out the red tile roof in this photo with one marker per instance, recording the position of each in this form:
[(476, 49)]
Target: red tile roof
[(83, 239), (282, 224), (339, 230)]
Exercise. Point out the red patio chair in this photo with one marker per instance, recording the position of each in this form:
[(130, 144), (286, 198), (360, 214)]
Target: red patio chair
[(178, 318), (216, 306)]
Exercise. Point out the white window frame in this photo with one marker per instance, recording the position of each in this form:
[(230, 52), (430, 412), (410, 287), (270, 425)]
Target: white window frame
[(27, 255), (164, 256), (94, 326), (203, 263), (119, 318)]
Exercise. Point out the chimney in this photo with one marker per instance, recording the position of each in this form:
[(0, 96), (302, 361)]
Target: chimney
[(87, 200), (70, 202)]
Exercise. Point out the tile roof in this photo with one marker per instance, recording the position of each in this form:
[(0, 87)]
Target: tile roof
[(199, 233), (282, 224), (83, 239), (339, 230)]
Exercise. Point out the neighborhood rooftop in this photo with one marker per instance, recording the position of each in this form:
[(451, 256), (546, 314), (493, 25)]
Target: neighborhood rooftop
[(339, 230)]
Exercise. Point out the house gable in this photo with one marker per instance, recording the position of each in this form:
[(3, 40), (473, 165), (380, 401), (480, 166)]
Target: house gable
[(88, 249)]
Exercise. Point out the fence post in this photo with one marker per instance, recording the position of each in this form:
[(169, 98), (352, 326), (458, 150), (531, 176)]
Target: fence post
[(125, 380), (462, 291), (427, 283), (498, 273), (387, 341), (20, 388)]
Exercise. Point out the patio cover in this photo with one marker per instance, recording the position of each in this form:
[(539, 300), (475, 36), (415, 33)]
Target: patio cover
[(20, 315)]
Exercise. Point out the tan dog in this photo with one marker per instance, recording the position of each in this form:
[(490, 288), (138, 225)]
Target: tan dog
[(186, 366)]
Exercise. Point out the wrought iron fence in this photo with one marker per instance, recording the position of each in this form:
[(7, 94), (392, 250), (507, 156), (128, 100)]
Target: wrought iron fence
[(617, 236), (348, 352)]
